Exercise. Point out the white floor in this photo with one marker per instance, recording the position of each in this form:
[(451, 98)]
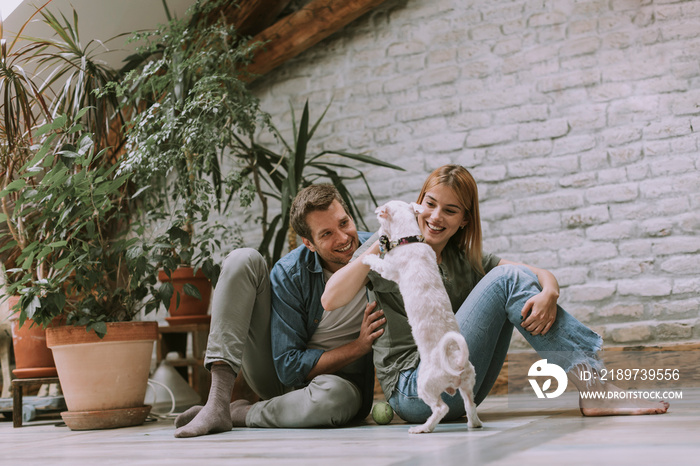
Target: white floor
[(517, 431)]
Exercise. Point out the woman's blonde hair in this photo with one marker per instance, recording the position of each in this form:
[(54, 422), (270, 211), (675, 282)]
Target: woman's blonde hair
[(462, 183)]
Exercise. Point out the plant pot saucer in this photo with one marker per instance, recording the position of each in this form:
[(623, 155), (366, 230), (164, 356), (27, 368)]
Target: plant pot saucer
[(35, 372), (106, 419), (185, 320)]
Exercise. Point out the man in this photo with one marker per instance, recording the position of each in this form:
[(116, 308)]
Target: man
[(312, 368)]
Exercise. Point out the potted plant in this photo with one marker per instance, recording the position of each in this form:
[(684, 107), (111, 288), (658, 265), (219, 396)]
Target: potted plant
[(189, 101), (21, 107), (99, 278), (65, 206), (27, 102), (281, 176)]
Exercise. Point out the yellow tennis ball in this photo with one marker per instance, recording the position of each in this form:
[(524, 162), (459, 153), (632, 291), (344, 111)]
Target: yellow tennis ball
[(382, 413)]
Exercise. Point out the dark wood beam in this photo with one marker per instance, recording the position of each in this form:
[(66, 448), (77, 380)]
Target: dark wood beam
[(252, 16), (299, 31)]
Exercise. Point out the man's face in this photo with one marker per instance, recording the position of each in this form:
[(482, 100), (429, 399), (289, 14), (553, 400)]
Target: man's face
[(334, 236)]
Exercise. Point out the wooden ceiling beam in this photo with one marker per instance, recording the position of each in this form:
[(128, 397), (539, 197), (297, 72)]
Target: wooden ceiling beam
[(295, 33), (252, 16)]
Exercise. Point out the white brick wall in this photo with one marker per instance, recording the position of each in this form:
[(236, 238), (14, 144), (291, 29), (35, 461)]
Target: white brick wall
[(578, 118)]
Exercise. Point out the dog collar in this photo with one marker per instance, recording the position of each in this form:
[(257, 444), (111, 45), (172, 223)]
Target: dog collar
[(386, 245)]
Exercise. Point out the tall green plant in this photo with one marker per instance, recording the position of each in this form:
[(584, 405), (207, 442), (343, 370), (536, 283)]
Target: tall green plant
[(282, 175), (39, 79), (190, 102), (22, 106)]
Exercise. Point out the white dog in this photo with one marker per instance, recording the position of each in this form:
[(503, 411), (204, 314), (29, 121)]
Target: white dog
[(443, 351)]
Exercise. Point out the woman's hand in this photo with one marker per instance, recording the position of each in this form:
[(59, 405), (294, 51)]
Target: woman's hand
[(540, 312)]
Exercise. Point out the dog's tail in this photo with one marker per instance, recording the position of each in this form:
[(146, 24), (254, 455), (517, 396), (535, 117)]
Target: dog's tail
[(453, 353)]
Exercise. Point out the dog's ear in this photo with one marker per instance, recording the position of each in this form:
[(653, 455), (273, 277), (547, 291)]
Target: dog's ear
[(417, 208), (382, 211)]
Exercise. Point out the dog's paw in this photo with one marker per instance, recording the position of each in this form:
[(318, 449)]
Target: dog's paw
[(474, 422), (374, 262), (422, 429)]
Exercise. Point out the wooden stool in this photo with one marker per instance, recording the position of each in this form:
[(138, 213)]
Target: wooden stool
[(17, 387)]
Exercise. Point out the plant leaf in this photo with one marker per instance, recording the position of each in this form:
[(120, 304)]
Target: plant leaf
[(192, 290)]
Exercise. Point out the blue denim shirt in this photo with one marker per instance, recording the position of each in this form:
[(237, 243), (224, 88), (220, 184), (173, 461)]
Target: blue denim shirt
[(297, 283)]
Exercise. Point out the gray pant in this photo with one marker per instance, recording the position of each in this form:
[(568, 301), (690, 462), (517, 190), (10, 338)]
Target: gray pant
[(240, 336)]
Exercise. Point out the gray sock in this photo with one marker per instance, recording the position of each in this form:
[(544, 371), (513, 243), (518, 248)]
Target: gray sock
[(214, 416), (185, 418)]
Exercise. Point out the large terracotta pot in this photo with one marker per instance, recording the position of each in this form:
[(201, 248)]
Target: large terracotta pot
[(32, 357), (191, 309), (104, 380)]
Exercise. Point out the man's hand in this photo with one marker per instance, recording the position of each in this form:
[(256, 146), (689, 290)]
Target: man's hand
[(370, 329), (335, 359)]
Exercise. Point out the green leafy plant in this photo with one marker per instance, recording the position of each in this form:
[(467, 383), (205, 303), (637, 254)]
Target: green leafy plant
[(96, 272), (189, 101), (281, 176)]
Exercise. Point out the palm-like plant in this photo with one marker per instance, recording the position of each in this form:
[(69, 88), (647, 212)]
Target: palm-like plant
[(76, 80), (22, 106), (281, 176), (39, 79)]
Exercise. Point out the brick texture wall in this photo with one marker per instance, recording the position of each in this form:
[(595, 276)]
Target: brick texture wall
[(578, 119)]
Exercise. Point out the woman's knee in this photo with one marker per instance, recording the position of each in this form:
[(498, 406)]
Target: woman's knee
[(510, 271), (512, 277)]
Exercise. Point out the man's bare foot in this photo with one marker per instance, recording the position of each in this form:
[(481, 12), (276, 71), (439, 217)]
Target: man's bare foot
[(239, 410)]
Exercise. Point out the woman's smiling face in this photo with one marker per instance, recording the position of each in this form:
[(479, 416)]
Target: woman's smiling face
[(442, 217)]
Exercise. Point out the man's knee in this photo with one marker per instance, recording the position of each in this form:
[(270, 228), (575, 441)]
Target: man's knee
[(245, 260), (335, 399)]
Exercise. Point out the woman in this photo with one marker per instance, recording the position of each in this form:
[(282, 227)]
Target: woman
[(489, 295)]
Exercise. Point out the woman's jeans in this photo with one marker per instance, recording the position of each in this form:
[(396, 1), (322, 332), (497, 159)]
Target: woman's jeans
[(486, 319)]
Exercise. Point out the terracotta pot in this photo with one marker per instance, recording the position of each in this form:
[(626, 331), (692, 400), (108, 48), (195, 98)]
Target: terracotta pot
[(32, 357), (189, 305), (108, 374)]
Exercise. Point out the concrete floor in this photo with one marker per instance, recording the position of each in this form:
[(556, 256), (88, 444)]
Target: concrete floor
[(517, 431)]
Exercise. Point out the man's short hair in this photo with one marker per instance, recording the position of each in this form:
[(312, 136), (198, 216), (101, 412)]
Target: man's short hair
[(310, 199)]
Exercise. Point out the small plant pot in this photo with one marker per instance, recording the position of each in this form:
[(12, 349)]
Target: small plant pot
[(191, 309), (32, 357), (104, 380)]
